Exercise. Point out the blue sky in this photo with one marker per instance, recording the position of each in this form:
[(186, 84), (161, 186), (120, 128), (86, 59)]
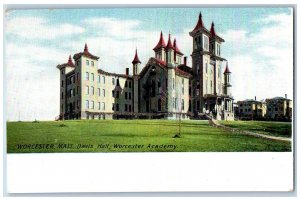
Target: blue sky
[(258, 47)]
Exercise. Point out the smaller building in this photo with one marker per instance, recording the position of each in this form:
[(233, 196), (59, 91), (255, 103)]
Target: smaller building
[(279, 109), (250, 109)]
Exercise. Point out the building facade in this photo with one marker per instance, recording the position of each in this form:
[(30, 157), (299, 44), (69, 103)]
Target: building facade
[(251, 110), (279, 109), (165, 87)]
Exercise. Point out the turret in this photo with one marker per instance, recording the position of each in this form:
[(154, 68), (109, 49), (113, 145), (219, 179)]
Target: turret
[(170, 53), (177, 53), (136, 63), (227, 81), (159, 49), (215, 41)]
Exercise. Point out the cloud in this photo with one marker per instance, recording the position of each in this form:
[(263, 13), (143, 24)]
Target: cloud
[(262, 62), (39, 28)]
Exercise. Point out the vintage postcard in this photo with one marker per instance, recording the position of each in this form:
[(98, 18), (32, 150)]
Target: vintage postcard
[(144, 80)]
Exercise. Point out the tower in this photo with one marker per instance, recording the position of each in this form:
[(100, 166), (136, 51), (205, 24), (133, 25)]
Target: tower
[(170, 53), (136, 64), (227, 81), (200, 62), (159, 49), (177, 53)]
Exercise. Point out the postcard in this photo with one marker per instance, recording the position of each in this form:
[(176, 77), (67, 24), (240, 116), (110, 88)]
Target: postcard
[(96, 89)]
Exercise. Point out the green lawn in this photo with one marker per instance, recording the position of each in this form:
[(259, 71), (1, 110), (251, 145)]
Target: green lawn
[(197, 136), (281, 129)]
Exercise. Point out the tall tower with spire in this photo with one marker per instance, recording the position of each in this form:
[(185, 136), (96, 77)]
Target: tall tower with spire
[(227, 81), (135, 68), (159, 49), (136, 64)]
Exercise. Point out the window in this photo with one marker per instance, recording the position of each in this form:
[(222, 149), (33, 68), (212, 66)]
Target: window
[(92, 76), (159, 105), (77, 63), (103, 79), (205, 43), (99, 79), (92, 104), (129, 82), (87, 90), (126, 83), (113, 93), (77, 78), (182, 104), (117, 94), (173, 83), (182, 90), (71, 92), (173, 102), (129, 108), (86, 76), (113, 107), (182, 81), (113, 81), (62, 71), (86, 104), (87, 62), (62, 95), (99, 105), (92, 90), (206, 67), (103, 106), (78, 104), (118, 83), (62, 83), (103, 92), (126, 95), (117, 106), (92, 63), (99, 92), (126, 108), (77, 90), (129, 94)]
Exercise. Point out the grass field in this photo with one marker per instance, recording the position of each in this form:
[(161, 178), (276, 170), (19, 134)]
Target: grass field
[(104, 135), (280, 129)]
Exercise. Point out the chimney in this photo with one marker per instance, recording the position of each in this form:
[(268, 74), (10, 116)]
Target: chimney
[(184, 61), (286, 96), (254, 97), (127, 71)]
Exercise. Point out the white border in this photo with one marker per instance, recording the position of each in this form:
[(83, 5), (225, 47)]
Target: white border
[(191, 161)]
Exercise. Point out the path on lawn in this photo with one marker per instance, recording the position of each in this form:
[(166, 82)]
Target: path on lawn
[(216, 124)]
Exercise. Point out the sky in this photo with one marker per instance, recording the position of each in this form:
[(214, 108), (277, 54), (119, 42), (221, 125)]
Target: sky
[(258, 46)]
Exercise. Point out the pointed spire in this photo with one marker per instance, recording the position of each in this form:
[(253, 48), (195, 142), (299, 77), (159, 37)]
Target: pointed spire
[(227, 69), (86, 49), (136, 58), (200, 23), (169, 45), (212, 30), (176, 47), (70, 62), (161, 43)]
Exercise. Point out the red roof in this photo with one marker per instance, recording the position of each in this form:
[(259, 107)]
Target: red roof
[(227, 69), (85, 53), (169, 45), (176, 47), (200, 23), (212, 30), (161, 62), (161, 42), (69, 63), (136, 58)]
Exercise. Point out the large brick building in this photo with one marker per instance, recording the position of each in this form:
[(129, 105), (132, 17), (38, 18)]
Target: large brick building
[(165, 87)]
